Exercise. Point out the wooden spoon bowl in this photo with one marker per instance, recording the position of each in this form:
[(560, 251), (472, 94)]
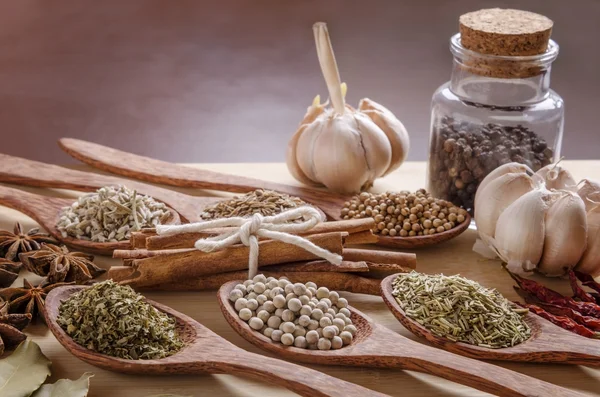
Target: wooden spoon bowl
[(548, 343), (377, 346), (157, 171), (46, 211), (204, 352)]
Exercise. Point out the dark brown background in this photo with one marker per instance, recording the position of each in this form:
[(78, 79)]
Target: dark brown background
[(228, 81)]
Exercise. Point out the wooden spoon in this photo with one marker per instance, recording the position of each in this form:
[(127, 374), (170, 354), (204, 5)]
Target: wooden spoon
[(204, 352), (156, 171), (46, 210), (548, 343), (376, 346)]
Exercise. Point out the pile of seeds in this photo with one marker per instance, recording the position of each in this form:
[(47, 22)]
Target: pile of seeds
[(110, 214), (300, 315), (264, 202), (405, 214), (461, 310), (112, 319)]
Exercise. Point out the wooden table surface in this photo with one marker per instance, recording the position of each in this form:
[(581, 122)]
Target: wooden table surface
[(453, 257)]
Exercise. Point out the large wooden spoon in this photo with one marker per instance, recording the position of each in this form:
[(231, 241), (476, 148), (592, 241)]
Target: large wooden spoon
[(548, 343), (205, 352), (156, 171), (376, 346), (46, 211)]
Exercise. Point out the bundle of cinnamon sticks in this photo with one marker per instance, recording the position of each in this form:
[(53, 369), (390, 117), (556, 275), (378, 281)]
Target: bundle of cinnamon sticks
[(172, 263)]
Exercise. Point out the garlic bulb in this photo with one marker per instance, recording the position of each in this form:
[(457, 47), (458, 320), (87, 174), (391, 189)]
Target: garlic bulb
[(557, 177), (565, 222), (589, 191), (519, 234), (515, 168), (590, 261), (340, 147)]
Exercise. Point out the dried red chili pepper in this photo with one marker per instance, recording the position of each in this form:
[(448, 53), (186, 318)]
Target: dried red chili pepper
[(590, 322), (588, 281), (547, 295), (579, 292), (562, 321)]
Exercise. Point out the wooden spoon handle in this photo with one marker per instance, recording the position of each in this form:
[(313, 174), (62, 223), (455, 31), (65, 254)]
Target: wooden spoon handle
[(299, 379), (156, 171), (40, 208)]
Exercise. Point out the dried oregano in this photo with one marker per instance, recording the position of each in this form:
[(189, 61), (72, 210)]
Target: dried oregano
[(461, 310), (115, 320), (110, 214)]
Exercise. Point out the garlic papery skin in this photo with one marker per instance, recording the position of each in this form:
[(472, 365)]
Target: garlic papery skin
[(590, 261), (495, 197), (508, 168), (557, 177), (589, 191), (566, 231), (343, 148), (520, 231)]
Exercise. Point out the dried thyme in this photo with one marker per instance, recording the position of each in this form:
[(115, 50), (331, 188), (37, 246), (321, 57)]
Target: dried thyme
[(112, 319), (461, 310), (110, 214), (264, 202)]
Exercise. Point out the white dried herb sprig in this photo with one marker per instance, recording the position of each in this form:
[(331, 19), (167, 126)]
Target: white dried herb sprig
[(461, 310), (110, 214)]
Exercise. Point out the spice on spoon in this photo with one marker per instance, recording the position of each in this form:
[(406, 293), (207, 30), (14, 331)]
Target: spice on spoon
[(112, 319), (461, 310)]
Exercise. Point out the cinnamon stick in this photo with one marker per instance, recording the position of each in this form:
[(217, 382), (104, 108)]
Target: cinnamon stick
[(321, 266), (138, 239), (187, 240), (192, 264), (403, 259), (360, 238)]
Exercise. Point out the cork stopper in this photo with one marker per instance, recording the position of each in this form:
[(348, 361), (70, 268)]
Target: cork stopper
[(497, 31), (504, 32)]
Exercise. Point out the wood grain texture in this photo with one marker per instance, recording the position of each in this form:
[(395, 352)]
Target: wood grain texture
[(46, 211), (547, 344), (376, 346), (204, 352), (156, 171)]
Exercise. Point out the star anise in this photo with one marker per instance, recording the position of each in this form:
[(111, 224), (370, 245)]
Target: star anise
[(11, 326), (12, 244), (57, 264), (29, 299), (9, 271)]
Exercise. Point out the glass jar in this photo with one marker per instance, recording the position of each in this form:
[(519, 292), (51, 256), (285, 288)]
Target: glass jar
[(494, 110)]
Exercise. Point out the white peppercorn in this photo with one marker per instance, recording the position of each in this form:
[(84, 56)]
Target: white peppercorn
[(268, 332), (325, 322), (342, 303), (294, 305), (272, 284), (279, 301), (313, 291), (317, 314), (339, 323), (333, 296), (288, 327), (241, 287), (288, 315), (288, 289), (336, 342), (274, 322), (348, 320), (277, 334), (300, 341), (248, 282), (245, 314), (329, 332), (304, 320), (259, 288), (251, 295), (269, 306), (299, 289), (261, 299), (346, 337), (322, 292), (279, 312), (324, 344), (287, 339), (252, 304), (305, 310), (345, 312), (350, 328), (312, 336), (282, 283), (304, 299), (240, 304), (299, 331), (310, 284), (256, 323), (314, 324), (326, 301), (290, 296), (332, 312), (322, 306), (235, 295), (259, 278)]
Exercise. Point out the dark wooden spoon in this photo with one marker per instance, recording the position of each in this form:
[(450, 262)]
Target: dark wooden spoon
[(377, 346), (46, 211), (205, 352), (156, 171), (548, 343)]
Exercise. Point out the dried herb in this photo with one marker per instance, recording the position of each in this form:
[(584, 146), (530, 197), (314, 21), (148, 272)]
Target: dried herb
[(562, 321), (24, 371), (9, 271), (57, 264), (578, 292), (110, 214), (12, 244), (29, 299), (460, 310), (11, 326), (264, 202), (113, 319)]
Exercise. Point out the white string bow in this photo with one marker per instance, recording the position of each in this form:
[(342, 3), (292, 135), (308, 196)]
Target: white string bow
[(275, 227)]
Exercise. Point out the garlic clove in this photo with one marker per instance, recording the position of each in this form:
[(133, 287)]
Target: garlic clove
[(496, 196), (566, 235), (590, 261), (391, 127), (291, 158), (376, 146), (514, 168), (557, 177), (589, 191), (520, 231)]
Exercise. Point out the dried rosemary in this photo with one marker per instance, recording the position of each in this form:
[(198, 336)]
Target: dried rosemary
[(113, 319), (264, 202), (110, 214), (461, 310)]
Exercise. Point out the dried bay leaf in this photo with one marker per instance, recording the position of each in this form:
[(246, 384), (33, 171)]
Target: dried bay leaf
[(24, 371), (66, 387)]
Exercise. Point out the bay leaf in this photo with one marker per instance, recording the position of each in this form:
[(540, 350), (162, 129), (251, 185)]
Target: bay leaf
[(23, 371), (66, 387)]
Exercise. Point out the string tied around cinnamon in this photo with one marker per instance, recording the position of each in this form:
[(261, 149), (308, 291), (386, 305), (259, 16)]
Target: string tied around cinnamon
[(248, 230)]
